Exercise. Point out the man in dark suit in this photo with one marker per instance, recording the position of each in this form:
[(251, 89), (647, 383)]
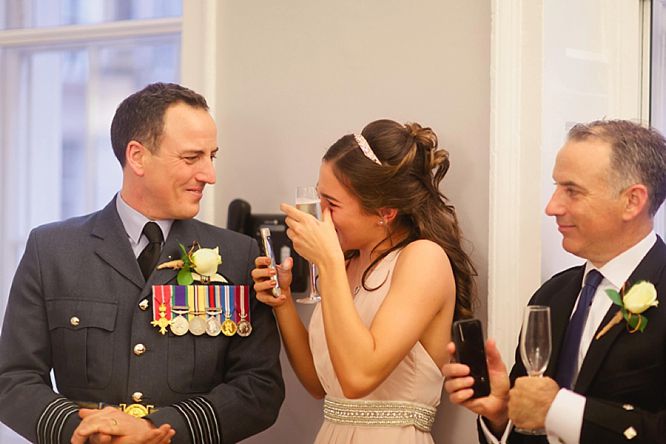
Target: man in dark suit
[(610, 387), (81, 304)]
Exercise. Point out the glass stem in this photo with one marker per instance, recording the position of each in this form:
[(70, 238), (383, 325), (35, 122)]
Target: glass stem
[(313, 280)]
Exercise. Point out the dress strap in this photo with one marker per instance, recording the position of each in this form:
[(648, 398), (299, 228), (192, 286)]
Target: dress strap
[(366, 412)]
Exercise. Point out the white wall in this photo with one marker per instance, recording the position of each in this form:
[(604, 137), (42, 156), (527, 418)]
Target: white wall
[(294, 76)]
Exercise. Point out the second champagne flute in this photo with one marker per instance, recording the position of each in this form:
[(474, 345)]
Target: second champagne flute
[(307, 200), (535, 347)]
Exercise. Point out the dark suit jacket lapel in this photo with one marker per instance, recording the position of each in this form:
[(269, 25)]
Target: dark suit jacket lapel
[(649, 269), (560, 311), (109, 229)]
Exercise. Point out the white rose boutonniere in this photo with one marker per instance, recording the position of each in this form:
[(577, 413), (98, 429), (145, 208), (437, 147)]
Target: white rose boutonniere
[(198, 264), (641, 296)]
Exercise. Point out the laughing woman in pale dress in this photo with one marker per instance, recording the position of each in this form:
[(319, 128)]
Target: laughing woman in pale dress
[(392, 277)]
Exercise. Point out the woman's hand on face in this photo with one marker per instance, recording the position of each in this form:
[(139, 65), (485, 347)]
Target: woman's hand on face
[(313, 239), (264, 280)]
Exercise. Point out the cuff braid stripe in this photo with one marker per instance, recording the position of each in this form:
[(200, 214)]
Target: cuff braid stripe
[(52, 420), (206, 411), (59, 422), (201, 420), (195, 425)]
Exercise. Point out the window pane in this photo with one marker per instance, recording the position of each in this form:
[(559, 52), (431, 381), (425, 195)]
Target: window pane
[(41, 13), (658, 62), (658, 86), (61, 163)]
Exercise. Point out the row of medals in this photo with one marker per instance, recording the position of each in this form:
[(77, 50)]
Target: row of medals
[(197, 325)]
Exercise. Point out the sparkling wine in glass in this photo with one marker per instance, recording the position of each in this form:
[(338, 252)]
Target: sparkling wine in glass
[(535, 347), (307, 200)]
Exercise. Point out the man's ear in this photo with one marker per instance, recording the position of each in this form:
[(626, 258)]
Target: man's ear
[(135, 157), (636, 201), (388, 215)]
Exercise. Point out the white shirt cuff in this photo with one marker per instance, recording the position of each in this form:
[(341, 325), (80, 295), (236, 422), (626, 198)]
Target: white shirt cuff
[(489, 435), (564, 419)]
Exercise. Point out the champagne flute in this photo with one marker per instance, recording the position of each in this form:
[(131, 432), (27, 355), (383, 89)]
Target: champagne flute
[(535, 347), (307, 200)]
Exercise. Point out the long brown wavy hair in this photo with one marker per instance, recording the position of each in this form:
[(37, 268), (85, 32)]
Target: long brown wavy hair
[(412, 167)]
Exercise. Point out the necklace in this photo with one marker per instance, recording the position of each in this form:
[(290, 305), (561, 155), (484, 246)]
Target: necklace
[(357, 274)]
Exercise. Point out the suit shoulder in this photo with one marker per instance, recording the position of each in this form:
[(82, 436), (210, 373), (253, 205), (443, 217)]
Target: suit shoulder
[(563, 276), (71, 225)]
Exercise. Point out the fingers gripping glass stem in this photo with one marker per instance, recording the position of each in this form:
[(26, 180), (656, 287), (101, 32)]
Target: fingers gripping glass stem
[(535, 347)]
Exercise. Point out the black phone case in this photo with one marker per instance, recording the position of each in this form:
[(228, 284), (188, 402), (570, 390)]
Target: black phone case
[(470, 350)]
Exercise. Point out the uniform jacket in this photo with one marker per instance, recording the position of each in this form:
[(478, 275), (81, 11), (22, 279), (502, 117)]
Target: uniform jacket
[(210, 389), (623, 375)]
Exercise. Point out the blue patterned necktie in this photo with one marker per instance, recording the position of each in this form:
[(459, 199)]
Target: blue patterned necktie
[(567, 363)]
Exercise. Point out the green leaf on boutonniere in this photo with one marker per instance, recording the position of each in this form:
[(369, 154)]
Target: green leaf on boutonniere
[(636, 322), (187, 263), (616, 298), (184, 277)]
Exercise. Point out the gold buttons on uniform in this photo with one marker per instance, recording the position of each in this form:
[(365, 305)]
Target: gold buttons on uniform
[(630, 433), (137, 396), (139, 349), (143, 305), (74, 321)]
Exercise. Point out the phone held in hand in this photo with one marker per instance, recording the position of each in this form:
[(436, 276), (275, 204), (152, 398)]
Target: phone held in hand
[(470, 350), (268, 252)]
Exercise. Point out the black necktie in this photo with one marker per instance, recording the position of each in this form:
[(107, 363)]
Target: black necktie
[(151, 254), (567, 363)]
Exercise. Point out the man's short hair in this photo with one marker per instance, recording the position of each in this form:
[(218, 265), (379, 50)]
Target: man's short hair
[(638, 155), (140, 116)]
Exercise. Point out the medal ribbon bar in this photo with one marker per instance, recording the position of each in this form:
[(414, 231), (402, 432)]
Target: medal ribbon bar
[(177, 306)]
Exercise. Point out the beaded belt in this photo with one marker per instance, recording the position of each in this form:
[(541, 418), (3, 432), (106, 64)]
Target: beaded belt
[(366, 412)]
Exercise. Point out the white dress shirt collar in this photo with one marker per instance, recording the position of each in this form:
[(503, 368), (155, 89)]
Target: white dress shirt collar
[(617, 270)]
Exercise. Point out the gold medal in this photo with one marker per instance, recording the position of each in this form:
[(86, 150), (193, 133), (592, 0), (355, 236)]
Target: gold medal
[(229, 327), (197, 325), (161, 313), (162, 322), (244, 328)]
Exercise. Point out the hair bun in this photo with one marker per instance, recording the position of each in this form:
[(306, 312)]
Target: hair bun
[(426, 140), (425, 137)]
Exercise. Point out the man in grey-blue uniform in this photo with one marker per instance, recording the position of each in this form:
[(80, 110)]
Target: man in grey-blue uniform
[(81, 303)]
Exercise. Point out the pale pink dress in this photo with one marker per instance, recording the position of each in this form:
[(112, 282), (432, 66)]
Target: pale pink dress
[(416, 379)]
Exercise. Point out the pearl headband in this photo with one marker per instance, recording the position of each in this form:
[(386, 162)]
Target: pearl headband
[(365, 147)]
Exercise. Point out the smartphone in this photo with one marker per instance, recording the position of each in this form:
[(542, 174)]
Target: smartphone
[(268, 251), (470, 350)]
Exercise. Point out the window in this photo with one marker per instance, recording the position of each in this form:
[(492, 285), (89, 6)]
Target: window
[(64, 67), (17, 14), (591, 71), (658, 65), (658, 85)]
